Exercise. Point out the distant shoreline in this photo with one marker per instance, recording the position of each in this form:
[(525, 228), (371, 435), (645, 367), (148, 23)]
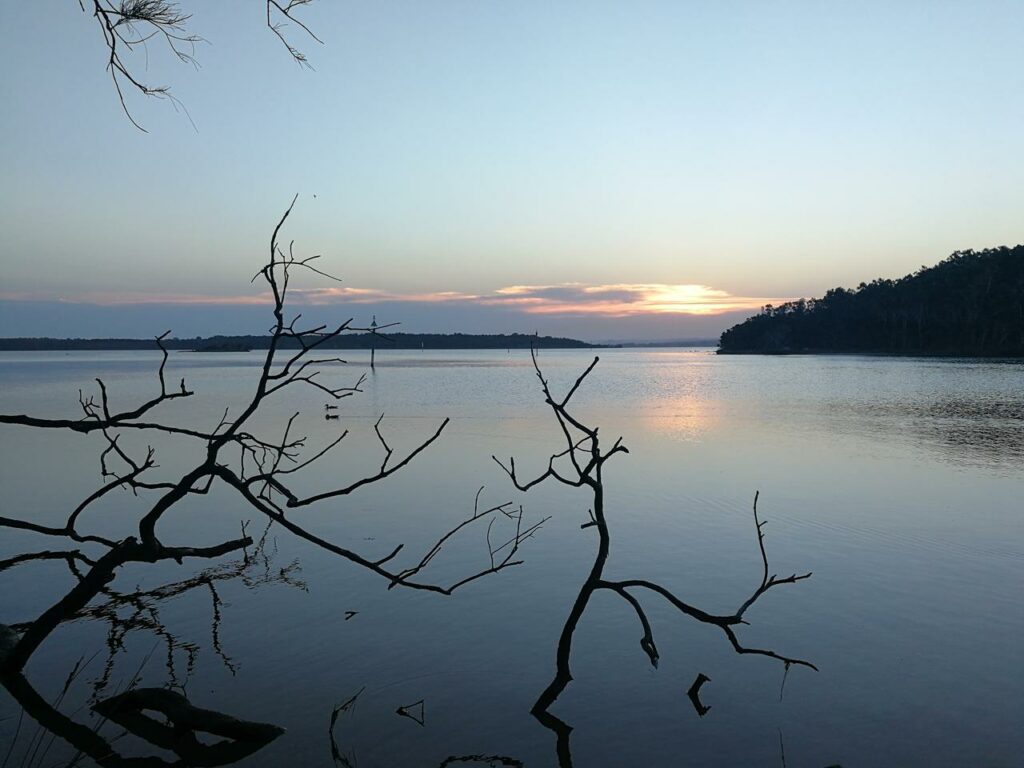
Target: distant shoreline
[(395, 341), (405, 341)]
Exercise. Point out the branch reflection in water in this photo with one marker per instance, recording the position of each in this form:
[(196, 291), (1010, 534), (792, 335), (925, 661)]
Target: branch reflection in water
[(184, 727), (139, 612)]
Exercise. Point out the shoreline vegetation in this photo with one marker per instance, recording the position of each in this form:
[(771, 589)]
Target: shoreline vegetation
[(969, 305), (397, 341), (404, 341)]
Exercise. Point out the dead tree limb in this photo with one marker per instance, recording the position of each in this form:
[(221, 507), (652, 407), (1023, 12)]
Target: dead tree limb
[(261, 469), (126, 26), (580, 465)]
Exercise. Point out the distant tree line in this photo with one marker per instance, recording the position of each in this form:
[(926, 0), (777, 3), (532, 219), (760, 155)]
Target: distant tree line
[(353, 341), (972, 303)]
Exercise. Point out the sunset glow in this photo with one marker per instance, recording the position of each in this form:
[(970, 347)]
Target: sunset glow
[(614, 300), (626, 299)]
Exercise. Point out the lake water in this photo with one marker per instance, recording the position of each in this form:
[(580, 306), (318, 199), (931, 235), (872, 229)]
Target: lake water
[(898, 482)]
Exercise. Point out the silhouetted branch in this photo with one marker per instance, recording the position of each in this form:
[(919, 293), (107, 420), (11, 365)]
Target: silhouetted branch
[(647, 641), (767, 582), (265, 470), (345, 761), (93, 582), (694, 694), (490, 760), (48, 530), (126, 25), (580, 464), (397, 578), (416, 712), (27, 557), (81, 737), (97, 416), (286, 10), (295, 501), (243, 737), (182, 720)]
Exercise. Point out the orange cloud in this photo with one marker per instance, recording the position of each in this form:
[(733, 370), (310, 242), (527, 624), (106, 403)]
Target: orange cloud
[(625, 299)]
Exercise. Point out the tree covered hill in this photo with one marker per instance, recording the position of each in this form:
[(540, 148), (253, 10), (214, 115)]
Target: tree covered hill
[(970, 304)]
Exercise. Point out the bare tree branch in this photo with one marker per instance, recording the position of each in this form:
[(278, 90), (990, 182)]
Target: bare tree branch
[(580, 464), (264, 470), (261, 469), (128, 25)]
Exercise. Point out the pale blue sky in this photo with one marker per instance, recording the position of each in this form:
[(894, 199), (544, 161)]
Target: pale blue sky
[(764, 149)]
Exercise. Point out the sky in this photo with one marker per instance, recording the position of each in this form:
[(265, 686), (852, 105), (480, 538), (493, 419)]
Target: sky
[(606, 170)]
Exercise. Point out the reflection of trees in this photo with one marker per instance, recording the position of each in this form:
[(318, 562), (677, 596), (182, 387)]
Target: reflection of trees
[(241, 738), (163, 717), (127, 612), (348, 759), (580, 465), (183, 722), (491, 761), (139, 611), (980, 428)]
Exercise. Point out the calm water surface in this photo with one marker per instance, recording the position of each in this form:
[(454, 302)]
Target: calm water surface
[(898, 482)]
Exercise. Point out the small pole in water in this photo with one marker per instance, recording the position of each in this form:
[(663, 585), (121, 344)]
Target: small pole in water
[(373, 343)]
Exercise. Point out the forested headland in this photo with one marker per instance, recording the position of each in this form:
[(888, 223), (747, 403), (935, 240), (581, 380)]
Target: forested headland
[(353, 341), (972, 303)]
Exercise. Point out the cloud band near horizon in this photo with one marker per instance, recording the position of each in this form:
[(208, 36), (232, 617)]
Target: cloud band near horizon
[(617, 300)]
